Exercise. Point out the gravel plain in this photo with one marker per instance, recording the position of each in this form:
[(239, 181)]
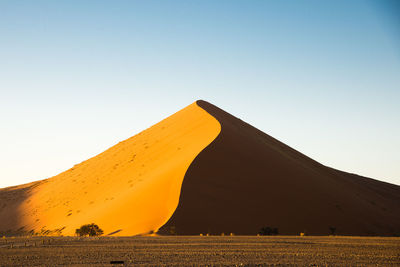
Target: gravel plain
[(201, 250)]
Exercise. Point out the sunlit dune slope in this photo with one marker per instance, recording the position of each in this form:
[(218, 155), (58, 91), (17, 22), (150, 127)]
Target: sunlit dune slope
[(131, 188), (245, 180), (202, 170)]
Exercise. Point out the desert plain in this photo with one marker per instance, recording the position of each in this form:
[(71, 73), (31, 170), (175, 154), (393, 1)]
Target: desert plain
[(201, 250)]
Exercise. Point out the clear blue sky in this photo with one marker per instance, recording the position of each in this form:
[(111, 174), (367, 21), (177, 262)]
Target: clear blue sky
[(76, 77)]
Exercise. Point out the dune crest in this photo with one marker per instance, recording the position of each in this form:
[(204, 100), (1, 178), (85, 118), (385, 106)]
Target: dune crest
[(245, 180), (132, 188), (202, 170)]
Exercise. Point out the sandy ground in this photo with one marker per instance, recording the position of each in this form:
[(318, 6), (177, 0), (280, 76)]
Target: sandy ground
[(197, 250)]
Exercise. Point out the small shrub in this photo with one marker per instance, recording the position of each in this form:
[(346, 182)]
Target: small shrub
[(89, 230), (172, 230), (268, 231), (332, 230)]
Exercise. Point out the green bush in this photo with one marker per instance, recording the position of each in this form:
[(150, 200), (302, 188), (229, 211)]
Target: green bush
[(89, 230)]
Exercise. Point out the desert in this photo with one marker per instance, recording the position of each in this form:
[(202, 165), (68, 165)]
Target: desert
[(199, 133), (202, 171), (201, 187), (202, 251)]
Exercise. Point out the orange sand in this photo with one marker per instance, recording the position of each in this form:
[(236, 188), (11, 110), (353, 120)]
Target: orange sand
[(132, 188), (202, 170)]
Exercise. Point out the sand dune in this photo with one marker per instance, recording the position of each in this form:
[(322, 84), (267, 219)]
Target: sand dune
[(132, 188), (246, 180), (202, 170)]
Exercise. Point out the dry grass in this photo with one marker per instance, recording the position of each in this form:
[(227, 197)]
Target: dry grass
[(196, 250)]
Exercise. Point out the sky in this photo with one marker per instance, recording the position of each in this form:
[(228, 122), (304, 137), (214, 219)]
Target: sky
[(77, 77)]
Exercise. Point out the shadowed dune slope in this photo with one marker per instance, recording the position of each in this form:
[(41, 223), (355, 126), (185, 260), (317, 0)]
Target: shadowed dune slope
[(245, 180), (131, 188)]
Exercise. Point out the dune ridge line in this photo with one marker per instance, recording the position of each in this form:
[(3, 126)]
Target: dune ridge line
[(245, 180), (131, 188)]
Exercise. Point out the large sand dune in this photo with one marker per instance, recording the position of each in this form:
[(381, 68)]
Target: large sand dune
[(246, 180), (202, 171), (132, 188)]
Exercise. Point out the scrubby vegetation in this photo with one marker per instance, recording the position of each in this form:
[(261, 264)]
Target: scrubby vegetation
[(332, 230), (268, 231), (89, 230), (201, 251)]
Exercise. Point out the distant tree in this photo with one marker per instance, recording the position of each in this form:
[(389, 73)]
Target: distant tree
[(89, 230), (268, 231), (332, 230)]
